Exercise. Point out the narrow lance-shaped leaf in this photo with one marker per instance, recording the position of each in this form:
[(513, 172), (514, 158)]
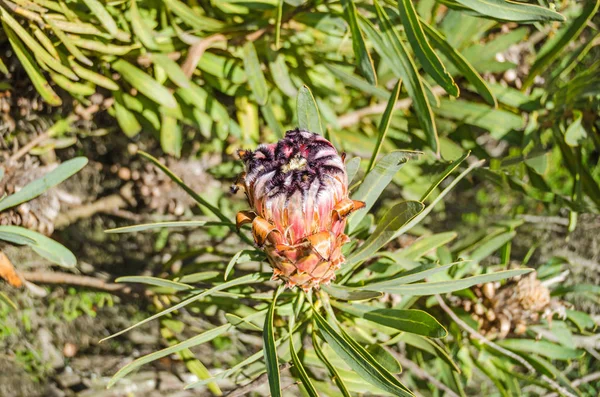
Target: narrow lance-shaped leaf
[(375, 182), (256, 78), (365, 63), (442, 287), (270, 351), (306, 382), (360, 360), (461, 63), (141, 30), (171, 136), (194, 341), (248, 279), (156, 281), (41, 185), (332, 371), (385, 123), (42, 245), (145, 84), (413, 321), (394, 219), (35, 47), (308, 112), (512, 10), (393, 51), (32, 69), (414, 221), (568, 36), (426, 55)]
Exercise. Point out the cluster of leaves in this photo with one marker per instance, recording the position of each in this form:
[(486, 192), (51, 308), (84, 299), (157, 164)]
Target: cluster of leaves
[(231, 72), (349, 318)]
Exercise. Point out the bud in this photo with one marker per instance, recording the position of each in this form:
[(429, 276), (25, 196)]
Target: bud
[(297, 189)]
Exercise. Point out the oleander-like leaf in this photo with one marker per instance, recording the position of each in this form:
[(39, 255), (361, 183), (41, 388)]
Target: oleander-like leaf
[(359, 359), (270, 351), (42, 245), (442, 287), (363, 58), (511, 10), (41, 185)]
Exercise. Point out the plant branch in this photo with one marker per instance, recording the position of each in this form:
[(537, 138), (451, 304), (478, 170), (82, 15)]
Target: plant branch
[(106, 204), (42, 277)]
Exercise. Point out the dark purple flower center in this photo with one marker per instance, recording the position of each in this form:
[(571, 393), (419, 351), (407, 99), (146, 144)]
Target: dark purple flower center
[(296, 161)]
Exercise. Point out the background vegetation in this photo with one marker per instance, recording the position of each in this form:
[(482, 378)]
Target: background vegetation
[(471, 129)]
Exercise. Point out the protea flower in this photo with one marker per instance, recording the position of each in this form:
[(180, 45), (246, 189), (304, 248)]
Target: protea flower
[(298, 191)]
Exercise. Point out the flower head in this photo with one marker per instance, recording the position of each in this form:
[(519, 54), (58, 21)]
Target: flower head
[(297, 189)]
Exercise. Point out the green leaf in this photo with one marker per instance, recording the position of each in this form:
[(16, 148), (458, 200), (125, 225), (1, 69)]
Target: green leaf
[(256, 78), (385, 123), (395, 218), (453, 165), (172, 69), (248, 279), (68, 44), (573, 31), (281, 75), (200, 23), (413, 321), (93, 77), (42, 245), (200, 276), (541, 347), (491, 245), (160, 225), (511, 11), (98, 10), (424, 245), (34, 46), (365, 63), (393, 51), (419, 273), (442, 287), (41, 185), (247, 255), (170, 135), (357, 82), (306, 382), (4, 298), (159, 282), (332, 371), (145, 84), (461, 63), (360, 360), (352, 167), (194, 341), (349, 293), (140, 28), (308, 112), (241, 323), (440, 197), (32, 69), (270, 350), (375, 182), (429, 60), (126, 118), (384, 358), (498, 122), (575, 133)]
